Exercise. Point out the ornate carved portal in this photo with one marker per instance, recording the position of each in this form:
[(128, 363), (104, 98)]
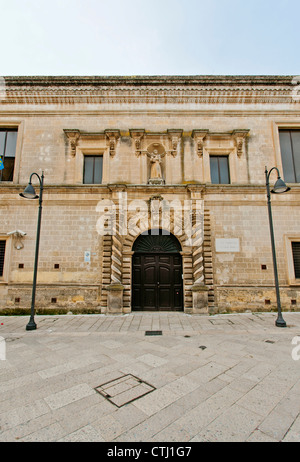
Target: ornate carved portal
[(124, 260)]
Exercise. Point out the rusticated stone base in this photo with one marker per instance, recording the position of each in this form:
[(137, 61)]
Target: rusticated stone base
[(236, 299), (115, 298), (50, 299), (200, 299), (87, 299)]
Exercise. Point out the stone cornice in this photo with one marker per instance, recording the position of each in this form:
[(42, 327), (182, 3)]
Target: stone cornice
[(131, 81), (149, 90), (14, 189)]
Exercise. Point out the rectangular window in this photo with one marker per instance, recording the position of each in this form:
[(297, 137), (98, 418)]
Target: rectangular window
[(296, 258), (290, 154), (93, 166), (2, 255), (219, 170), (8, 143)]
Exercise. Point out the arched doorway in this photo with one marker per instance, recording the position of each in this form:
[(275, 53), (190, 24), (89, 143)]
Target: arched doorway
[(157, 272)]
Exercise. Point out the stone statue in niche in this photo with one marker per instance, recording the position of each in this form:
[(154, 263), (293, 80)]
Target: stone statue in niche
[(155, 171), (155, 159)]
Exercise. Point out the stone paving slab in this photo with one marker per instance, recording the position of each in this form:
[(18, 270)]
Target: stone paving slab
[(214, 378)]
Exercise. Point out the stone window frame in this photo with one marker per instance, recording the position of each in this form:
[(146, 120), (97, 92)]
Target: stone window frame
[(7, 258), (92, 143), (230, 153), (87, 150), (292, 280), (280, 125), (79, 169), (229, 144), (19, 126)]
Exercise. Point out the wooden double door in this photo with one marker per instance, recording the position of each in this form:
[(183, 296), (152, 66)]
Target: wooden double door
[(157, 282)]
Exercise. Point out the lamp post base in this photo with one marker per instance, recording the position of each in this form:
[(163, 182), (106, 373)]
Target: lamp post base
[(280, 322), (31, 325)]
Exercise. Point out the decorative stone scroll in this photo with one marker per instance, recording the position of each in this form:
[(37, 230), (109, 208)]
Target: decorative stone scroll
[(116, 288), (239, 137), (73, 137), (112, 138), (174, 139), (137, 136), (199, 136)]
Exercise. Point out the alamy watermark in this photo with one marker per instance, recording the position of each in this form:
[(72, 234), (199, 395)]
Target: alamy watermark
[(2, 349), (296, 89), (182, 218), (2, 88), (296, 349)]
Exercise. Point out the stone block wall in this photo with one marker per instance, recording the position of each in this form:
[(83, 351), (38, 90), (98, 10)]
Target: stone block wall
[(190, 119)]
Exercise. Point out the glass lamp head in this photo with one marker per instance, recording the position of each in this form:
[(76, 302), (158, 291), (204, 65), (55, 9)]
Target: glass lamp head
[(280, 187), (29, 192)]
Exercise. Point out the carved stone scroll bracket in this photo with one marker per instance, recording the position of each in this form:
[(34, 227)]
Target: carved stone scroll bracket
[(199, 136), (239, 137), (154, 198), (137, 136), (112, 137), (73, 137), (174, 140)]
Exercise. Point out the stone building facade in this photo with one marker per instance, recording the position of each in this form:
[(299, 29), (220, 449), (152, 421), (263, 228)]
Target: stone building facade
[(154, 195)]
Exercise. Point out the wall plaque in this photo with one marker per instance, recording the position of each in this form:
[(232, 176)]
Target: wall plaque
[(227, 245)]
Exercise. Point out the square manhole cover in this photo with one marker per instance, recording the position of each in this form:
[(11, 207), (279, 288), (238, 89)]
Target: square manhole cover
[(124, 390)]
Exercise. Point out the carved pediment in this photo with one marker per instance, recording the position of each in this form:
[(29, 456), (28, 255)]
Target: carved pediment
[(226, 140), (108, 138), (169, 139)]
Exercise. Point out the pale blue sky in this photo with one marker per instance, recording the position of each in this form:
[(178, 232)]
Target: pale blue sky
[(154, 37)]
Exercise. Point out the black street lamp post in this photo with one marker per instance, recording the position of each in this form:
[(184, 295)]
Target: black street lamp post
[(279, 187), (29, 193)]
